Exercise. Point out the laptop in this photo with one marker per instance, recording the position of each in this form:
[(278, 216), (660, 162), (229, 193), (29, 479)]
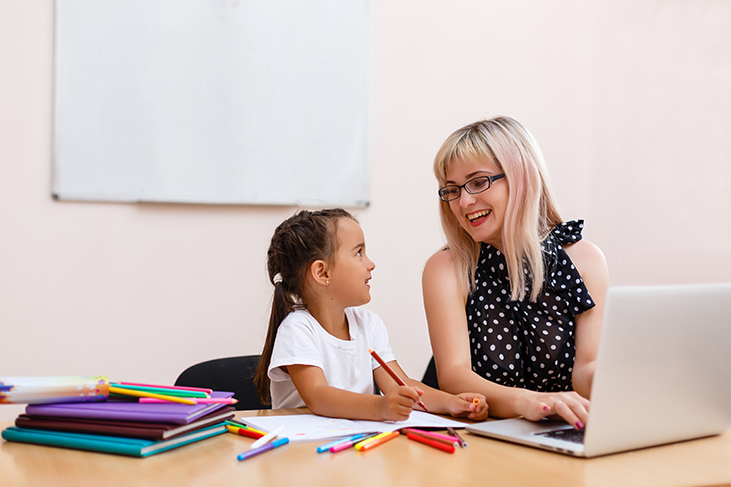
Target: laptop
[(663, 374)]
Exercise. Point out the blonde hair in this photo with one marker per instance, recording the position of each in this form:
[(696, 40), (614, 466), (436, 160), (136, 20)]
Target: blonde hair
[(531, 211)]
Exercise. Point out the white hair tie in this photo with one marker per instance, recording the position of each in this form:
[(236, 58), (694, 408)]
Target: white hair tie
[(277, 278)]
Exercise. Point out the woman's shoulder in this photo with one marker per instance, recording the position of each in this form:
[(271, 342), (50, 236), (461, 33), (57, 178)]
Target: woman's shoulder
[(569, 236), (589, 260), (440, 279), (441, 261), (585, 254)]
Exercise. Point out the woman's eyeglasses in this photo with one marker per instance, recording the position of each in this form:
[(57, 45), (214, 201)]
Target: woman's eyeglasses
[(476, 185)]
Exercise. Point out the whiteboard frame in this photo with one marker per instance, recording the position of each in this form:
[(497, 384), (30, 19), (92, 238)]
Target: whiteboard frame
[(212, 101)]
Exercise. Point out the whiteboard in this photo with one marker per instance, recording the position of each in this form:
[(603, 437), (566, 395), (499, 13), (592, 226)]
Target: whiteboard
[(211, 101)]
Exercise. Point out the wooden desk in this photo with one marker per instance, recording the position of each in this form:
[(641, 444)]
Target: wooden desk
[(400, 462)]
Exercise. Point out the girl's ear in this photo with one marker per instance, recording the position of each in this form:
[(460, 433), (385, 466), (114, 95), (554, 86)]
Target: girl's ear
[(320, 273)]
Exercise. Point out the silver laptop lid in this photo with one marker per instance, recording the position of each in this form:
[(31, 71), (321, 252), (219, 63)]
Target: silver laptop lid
[(663, 367)]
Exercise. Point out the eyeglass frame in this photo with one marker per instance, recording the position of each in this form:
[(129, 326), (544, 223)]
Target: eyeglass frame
[(491, 180)]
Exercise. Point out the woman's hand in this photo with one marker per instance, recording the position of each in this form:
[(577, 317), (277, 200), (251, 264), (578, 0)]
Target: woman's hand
[(468, 405), (398, 403), (569, 406)]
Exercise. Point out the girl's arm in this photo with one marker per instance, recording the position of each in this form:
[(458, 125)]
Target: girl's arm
[(592, 267), (436, 401), (324, 400), (444, 304)]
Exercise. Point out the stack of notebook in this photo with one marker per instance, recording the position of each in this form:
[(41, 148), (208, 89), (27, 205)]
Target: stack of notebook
[(125, 427)]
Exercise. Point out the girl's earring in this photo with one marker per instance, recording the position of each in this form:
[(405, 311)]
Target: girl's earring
[(327, 282)]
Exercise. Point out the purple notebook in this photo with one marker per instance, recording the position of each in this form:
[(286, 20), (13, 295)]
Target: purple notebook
[(129, 410)]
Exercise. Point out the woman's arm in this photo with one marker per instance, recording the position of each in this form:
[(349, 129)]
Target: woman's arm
[(445, 312), (324, 400), (592, 266)]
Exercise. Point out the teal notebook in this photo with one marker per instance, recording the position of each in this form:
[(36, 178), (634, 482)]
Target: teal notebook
[(108, 444)]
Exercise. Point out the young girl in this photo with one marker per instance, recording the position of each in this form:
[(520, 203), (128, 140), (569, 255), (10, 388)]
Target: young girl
[(316, 349)]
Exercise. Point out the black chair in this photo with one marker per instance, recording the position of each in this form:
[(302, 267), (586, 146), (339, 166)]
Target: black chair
[(233, 374), (430, 376)]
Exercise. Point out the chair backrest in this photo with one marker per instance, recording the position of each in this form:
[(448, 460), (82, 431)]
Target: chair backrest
[(430, 376), (233, 374)]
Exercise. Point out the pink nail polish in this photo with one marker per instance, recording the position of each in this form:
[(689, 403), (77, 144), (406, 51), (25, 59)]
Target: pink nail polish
[(579, 425), (546, 408)]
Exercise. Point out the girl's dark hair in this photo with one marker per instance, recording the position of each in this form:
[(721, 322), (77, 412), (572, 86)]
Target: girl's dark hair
[(297, 242)]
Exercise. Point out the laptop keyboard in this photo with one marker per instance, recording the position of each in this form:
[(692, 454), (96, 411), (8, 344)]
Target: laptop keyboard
[(572, 435)]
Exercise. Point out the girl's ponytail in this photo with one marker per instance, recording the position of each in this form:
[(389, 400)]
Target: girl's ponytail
[(297, 243)]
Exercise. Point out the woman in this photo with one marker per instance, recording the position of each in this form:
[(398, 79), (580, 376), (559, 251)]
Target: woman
[(530, 349)]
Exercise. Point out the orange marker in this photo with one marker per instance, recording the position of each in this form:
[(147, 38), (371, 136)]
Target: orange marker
[(359, 446), (390, 371), (379, 441), (476, 401)]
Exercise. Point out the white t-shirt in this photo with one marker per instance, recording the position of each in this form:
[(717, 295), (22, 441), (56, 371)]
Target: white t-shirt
[(346, 363)]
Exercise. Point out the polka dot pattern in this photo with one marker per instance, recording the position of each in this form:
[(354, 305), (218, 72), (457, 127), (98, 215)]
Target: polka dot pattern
[(521, 343)]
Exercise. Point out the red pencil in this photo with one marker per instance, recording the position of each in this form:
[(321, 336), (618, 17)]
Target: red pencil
[(390, 371), (432, 443)]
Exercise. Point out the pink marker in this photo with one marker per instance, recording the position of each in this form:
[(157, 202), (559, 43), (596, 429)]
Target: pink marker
[(198, 400), (182, 388)]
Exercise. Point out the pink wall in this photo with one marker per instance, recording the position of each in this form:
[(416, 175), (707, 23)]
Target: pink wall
[(629, 101)]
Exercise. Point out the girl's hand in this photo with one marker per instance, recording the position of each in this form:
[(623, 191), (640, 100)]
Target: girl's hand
[(569, 406), (464, 406), (398, 403)]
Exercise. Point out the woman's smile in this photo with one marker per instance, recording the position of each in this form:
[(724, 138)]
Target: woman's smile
[(477, 217)]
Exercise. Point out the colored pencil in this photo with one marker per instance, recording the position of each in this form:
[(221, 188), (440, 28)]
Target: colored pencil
[(198, 400), (327, 446), (244, 427), (163, 390), (262, 449), (244, 432), (393, 374), (130, 392), (344, 445), (434, 444), (365, 441), (453, 432), (238, 422), (434, 438), (380, 441), (267, 437), (182, 388)]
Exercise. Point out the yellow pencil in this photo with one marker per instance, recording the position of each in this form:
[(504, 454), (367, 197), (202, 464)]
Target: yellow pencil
[(130, 392), (359, 446)]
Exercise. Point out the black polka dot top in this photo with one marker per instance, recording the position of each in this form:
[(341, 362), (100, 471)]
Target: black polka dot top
[(524, 344)]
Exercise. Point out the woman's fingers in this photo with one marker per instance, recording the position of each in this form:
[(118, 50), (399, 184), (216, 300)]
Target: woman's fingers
[(570, 407), (571, 413)]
